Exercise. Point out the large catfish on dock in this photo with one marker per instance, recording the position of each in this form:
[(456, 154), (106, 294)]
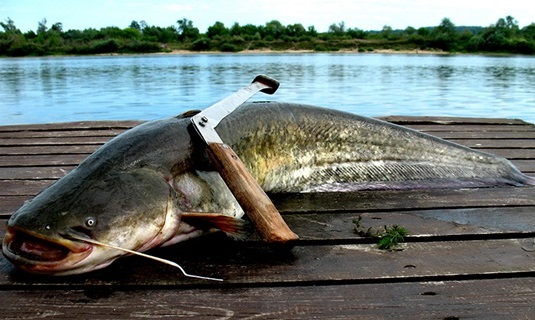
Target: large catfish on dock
[(154, 185)]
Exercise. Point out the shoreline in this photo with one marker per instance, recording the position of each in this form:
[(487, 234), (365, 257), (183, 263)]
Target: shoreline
[(269, 51), (342, 51), (275, 52)]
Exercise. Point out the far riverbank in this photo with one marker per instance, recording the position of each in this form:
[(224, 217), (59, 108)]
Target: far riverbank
[(269, 51)]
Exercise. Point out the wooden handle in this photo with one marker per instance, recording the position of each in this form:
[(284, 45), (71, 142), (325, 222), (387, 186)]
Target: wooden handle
[(253, 200)]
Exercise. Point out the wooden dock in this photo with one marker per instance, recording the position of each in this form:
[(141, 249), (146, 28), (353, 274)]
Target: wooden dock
[(470, 252)]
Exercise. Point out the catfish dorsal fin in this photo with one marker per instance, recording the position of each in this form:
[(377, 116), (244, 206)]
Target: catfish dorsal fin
[(234, 227), (188, 114)]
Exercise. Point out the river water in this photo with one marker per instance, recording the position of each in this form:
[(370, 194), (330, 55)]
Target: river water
[(146, 87)]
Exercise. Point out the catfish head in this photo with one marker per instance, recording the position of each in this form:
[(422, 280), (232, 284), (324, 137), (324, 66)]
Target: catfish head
[(134, 209)]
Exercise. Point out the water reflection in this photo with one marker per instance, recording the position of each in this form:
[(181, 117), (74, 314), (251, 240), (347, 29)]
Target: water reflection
[(52, 77), (146, 87), (12, 75), (501, 76), (444, 73)]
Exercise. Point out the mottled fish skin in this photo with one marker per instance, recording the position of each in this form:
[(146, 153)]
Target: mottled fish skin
[(296, 148), (139, 190)]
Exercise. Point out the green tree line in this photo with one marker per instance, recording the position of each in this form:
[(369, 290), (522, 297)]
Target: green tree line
[(504, 36)]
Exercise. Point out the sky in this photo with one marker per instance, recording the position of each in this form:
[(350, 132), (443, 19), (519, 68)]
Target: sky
[(361, 14)]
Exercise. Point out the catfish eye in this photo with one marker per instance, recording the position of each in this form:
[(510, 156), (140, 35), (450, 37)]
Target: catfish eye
[(90, 222)]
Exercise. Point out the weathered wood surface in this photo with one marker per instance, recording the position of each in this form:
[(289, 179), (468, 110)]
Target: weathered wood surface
[(470, 252)]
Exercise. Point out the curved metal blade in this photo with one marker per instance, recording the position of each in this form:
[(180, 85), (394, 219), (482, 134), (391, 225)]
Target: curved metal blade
[(205, 121)]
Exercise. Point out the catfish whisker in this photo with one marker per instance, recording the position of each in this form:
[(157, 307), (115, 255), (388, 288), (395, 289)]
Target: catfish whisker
[(168, 262)]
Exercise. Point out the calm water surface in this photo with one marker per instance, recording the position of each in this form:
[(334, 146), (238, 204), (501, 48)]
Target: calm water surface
[(145, 87)]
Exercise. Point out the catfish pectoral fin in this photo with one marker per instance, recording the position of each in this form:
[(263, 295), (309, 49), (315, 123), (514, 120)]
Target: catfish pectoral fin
[(234, 227)]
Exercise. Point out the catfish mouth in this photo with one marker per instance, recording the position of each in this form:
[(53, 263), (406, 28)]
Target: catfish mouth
[(41, 254)]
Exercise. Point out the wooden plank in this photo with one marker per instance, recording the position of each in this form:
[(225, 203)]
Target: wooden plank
[(34, 173), (432, 223), (407, 199), (126, 124), (486, 135), (498, 144), (11, 203), (357, 201), (526, 166), (248, 263), (62, 133), (481, 299), (72, 126), (439, 120), (58, 134), (356, 262), (524, 154), (442, 224), (13, 151), (23, 187), (42, 160), (471, 128), (54, 141)]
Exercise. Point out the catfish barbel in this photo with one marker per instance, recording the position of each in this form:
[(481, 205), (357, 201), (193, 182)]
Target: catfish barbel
[(154, 185)]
